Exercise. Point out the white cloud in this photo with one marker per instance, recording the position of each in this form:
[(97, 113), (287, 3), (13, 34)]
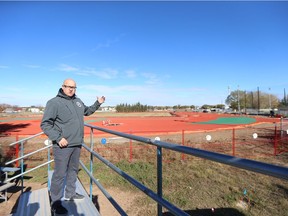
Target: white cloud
[(107, 73), (67, 68), (108, 43), (152, 79), (70, 55), (12, 89), (3, 67), (130, 73), (32, 66), (113, 89)]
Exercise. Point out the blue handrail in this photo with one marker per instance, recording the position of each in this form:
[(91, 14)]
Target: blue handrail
[(255, 166), (252, 165)]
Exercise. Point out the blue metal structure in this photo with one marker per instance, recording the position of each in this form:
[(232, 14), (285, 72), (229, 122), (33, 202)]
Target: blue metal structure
[(255, 166)]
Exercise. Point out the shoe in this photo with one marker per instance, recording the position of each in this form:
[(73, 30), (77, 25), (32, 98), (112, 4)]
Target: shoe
[(75, 197), (58, 209)]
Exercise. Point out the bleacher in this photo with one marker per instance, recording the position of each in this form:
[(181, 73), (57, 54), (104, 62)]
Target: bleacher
[(5, 185), (37, 203)]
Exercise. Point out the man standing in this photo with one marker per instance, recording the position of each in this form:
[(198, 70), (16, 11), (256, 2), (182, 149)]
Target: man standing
[(63, 123)]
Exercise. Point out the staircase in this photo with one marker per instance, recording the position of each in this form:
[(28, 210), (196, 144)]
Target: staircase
[(6, 184), (37, 203)]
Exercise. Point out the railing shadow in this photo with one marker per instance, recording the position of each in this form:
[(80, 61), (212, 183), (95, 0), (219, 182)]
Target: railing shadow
[(35, 207), (96, 202), (211, 212), (14, 208), (284, 189), (73, 208)]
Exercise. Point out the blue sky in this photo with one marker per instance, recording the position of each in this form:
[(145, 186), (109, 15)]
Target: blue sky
[(155, 53)]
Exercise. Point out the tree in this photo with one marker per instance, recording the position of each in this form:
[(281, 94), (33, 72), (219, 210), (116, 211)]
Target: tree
[(220, 106), (4, 106), (283, 102), (131, 108), (252, 100)]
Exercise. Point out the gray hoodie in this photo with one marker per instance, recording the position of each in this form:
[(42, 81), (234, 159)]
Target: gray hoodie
[(64, 118)]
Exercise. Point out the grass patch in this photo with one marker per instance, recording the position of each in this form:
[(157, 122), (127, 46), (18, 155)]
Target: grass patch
[(200, 184), (141, 171)]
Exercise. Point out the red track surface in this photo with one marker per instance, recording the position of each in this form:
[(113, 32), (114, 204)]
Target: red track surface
[(182, 121)]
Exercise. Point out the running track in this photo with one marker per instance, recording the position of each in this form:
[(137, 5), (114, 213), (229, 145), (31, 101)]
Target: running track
[(187, 121)]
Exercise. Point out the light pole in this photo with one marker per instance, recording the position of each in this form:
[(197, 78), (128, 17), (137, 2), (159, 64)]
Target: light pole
[(270, 98), (228, 96), (238, 97)]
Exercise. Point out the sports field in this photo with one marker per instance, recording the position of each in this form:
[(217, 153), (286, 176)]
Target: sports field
[(160, 122)]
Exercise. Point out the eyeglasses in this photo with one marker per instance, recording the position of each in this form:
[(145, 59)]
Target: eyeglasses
[(70, 87)]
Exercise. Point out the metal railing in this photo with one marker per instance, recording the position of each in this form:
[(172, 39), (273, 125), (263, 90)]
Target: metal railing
[(22, 157), (255, 166)]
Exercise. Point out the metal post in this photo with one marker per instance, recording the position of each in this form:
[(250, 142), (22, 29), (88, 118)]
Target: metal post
[(183, 155), (130, 149), (270, 99), (91, 162), (281, 127), (17, 150), (238, 97), (233, 141), (159, 178), (245, 102), (22, 165), (48, 167), (258, 93), (275, 140)]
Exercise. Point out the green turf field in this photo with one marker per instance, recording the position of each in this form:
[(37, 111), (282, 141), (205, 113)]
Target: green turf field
[(230, 120)]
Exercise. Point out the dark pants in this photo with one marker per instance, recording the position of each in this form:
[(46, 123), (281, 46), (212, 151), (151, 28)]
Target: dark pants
[(66, 164)]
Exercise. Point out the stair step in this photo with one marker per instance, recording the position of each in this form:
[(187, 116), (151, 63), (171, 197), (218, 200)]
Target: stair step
[(36, 203), (79, 207)]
